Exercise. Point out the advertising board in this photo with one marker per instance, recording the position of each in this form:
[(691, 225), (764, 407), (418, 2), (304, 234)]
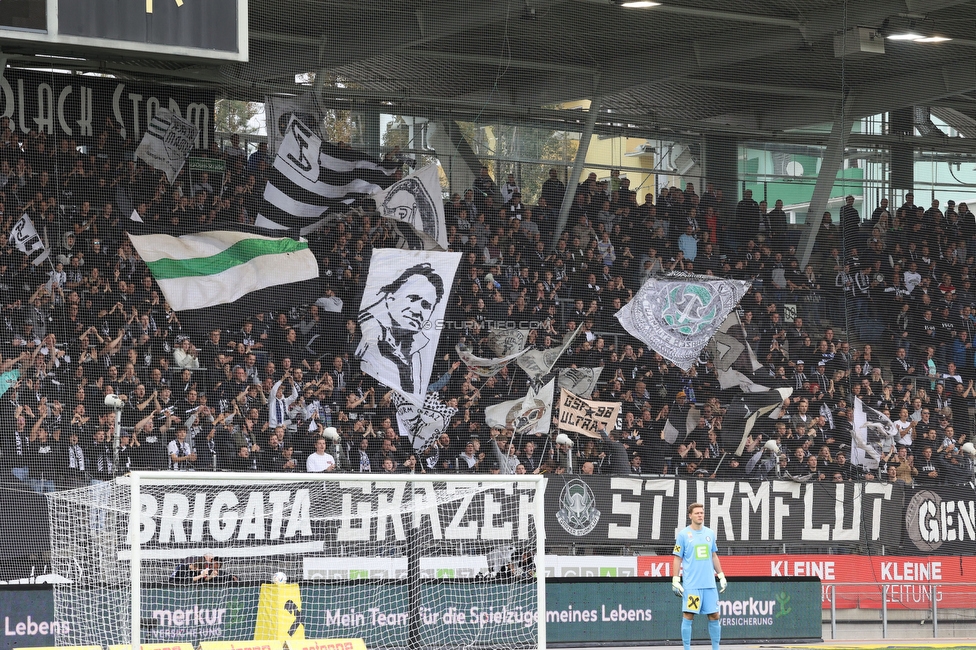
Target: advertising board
[(857, 580), (579, 611), (27, 614), (622, 611)]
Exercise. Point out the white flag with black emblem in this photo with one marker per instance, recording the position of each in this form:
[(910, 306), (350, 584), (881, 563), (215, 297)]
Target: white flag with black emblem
[(526, 415), (416, 201), (874, 434), (312, 182), (539, 363), (506, 341), (167, 143), (733, 356), (422, 422), (676, 316), (580, 381), (279, 111), (24, 236), (484, 367), (587, 417)]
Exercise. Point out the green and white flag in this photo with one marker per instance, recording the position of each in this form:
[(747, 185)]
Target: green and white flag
[(217, 267)]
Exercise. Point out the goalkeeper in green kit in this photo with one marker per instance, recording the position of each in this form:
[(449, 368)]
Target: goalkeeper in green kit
[(696, 560)]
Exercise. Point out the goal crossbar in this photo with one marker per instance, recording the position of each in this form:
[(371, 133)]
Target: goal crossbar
[(166, 507)]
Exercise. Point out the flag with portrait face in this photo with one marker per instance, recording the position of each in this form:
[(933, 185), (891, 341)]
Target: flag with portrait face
[(416, 201), (401, 316)]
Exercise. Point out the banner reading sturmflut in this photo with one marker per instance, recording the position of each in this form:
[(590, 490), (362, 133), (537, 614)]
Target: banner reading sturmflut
[(677, 316), (586, 417)]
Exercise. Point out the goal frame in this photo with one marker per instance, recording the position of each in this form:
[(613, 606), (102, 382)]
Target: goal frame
[(137, 479)]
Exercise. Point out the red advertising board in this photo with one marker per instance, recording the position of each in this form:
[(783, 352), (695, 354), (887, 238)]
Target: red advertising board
[(858, 579)]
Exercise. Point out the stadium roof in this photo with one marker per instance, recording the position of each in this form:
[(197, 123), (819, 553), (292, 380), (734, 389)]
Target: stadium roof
[(753, 67)]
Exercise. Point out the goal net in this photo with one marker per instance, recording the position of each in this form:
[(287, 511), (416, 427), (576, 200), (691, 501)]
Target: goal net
[(402, 562)]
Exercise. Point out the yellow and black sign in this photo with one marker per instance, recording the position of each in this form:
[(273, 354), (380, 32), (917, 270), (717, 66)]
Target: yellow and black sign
[(280, 613)]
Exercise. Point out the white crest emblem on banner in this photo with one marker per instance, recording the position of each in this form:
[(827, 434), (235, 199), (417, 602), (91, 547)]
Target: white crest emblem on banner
[(677, 316), (416, 201)]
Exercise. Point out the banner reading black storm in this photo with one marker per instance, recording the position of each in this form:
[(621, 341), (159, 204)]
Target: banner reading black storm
[(629, 509), (82, 107)]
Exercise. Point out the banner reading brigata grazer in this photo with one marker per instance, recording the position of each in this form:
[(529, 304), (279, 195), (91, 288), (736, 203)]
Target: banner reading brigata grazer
[(857, 580), (283, 523), (586, 417), (81, 107)]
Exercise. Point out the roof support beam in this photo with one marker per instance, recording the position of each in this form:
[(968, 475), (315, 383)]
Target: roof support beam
[(918, 87), (542, 66), (684, 59), (833, 160), (584, 145)]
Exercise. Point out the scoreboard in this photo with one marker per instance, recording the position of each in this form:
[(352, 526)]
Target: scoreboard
[(199, 29)]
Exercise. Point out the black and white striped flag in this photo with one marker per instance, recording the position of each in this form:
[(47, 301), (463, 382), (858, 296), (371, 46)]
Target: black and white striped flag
[(310, 178)]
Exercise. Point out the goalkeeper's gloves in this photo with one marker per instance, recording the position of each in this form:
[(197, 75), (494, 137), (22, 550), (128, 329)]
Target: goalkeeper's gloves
[(722, 583), (676, 587)]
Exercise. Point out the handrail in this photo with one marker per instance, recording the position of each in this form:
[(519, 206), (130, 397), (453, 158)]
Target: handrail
[(933, 599)]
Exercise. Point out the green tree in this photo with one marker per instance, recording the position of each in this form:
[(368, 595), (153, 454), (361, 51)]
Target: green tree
[(235, 116), (519, 150), (338, 125)]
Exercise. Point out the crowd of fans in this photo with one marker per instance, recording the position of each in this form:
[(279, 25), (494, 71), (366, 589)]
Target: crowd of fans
[(282, 391)]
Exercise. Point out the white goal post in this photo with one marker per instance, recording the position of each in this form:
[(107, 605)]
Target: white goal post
[(402, 560)]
